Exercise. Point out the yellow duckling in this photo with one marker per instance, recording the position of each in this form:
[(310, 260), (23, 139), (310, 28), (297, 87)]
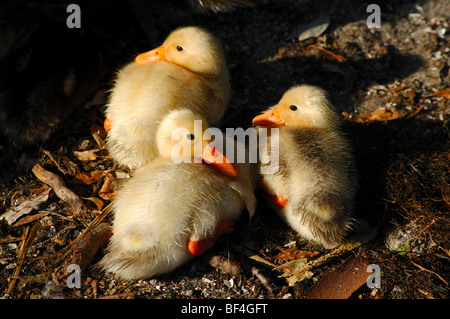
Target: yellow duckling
[(169, 212), (315, 183), (187, 71)]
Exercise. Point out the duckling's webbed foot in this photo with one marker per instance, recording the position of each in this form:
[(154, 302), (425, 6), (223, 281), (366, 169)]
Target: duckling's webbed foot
[(198, 247), (280, 201)]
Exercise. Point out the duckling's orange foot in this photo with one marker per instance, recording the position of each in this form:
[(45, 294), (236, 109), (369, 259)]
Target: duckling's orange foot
[(280, 201), (107, 124), (198, 247)]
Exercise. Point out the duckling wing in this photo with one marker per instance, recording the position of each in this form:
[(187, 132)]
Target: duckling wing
[(321, 179)]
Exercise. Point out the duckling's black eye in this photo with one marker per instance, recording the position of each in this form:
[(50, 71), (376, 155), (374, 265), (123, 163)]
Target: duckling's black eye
[(293, 108), (190, 136), (179, 48)]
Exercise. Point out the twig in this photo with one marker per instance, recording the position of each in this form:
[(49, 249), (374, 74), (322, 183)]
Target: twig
[(341, 249), (97, 220), (27, 239), (427, 270), (331, 55), (122, 295), (264, 281), (60, 189), (61, 169), (414, 114)]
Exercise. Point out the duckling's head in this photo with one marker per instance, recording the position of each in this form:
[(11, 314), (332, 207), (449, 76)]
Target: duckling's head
[(301, 106), (190, 47), (180, 137)]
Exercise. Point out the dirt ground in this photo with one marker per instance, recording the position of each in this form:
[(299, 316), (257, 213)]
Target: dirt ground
[(384, 82)]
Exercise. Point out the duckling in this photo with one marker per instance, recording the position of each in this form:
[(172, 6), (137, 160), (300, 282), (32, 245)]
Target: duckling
[(187, 71), (174, 207), (315, 183)]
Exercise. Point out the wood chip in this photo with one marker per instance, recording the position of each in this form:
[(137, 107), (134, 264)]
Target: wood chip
[(86, 156), (341, 282)]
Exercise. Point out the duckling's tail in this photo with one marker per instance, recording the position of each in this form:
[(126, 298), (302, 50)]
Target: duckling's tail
[(144, 263)]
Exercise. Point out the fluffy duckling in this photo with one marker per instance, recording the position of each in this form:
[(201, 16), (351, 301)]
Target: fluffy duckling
[(169, 212), (315, 183), (187, 71)]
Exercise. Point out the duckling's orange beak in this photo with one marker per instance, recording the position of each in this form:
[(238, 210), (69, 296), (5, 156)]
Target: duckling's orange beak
[(154, 55), (217, 159), (270, 118)]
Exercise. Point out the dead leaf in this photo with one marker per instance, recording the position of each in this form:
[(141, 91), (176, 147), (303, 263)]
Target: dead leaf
[(313, 29), (30, 204), (97, 201), (36, 191), (91, 177), (111, 185), (99, 134), (262, 260), (291, 266), (293, 253), (379, 115), (341, 282), (299, 272), (444, 94), (29, 219)]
